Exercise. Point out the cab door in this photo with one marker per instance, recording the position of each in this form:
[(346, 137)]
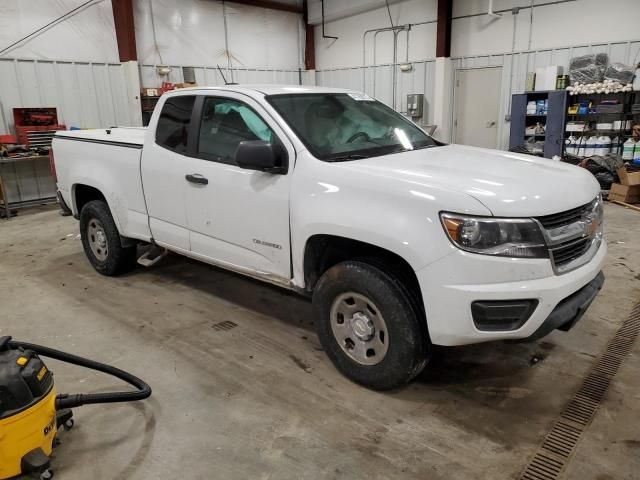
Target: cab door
[(235, 216), (163, 170)]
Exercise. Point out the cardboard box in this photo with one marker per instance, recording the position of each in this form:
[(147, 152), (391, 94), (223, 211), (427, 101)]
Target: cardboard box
[(628, 178), (185, 85), (625, 193), (530, 83), (546, 77), (151, 92)]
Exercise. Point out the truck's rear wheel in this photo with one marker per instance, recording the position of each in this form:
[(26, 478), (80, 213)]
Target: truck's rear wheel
[(101, 240), (368, 325)]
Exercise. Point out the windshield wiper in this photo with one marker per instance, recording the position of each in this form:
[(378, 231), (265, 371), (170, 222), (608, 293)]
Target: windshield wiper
[(345, 158), (425, 146)]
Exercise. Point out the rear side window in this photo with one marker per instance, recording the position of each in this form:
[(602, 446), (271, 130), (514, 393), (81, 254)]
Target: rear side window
[(172, 131)]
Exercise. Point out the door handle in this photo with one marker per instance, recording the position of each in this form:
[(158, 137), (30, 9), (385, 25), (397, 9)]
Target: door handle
[(196, 178), (490, 124)]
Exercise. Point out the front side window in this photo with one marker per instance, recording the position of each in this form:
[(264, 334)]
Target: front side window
[(172, 131), (225, 123), (348, 126)]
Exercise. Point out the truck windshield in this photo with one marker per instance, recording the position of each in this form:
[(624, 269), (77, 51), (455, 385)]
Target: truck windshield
[(348, 126)]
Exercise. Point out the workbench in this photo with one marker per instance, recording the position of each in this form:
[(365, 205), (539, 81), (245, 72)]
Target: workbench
[(25, 181)]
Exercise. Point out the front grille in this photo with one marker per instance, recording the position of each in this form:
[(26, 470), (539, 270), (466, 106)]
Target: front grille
[(568, 251), (567, 217)]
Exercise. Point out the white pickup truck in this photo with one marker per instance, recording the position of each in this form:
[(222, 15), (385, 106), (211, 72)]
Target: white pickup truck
[(403, 242)]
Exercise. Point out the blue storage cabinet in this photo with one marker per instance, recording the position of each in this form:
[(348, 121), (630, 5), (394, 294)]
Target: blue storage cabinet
[(553, 120)]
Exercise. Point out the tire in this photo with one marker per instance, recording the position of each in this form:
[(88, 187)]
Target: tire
[(101, 241), (381, 340)]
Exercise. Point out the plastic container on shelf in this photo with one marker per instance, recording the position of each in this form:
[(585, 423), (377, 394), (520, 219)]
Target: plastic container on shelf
[(571, 145), (615, 145), (628, 149), (604, 145), (636, 152), (590, 149)]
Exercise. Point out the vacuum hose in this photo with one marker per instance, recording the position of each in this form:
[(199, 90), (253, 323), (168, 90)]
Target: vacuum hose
[(75, 400)]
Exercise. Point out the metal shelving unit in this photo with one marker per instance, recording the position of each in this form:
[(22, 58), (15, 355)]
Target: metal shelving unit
[(25, 181), (553, 120), (592, 118)]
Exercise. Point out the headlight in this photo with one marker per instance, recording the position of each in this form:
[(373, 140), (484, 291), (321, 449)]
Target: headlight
[(504, 237)]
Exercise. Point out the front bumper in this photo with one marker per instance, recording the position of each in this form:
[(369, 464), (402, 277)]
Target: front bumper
[(451, 284), (570, 310)]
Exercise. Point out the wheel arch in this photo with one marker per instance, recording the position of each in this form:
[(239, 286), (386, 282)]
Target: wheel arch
[(323, 251), (82, 194)]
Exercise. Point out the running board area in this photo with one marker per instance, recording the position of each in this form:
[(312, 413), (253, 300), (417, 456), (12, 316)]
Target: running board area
[(152, 256)]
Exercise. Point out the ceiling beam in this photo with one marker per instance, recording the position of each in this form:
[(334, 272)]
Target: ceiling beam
[(270, 4), (443, 35), (125, 30)]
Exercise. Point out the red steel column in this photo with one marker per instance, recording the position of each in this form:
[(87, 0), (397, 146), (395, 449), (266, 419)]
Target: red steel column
[(125, 30), (443, 36)]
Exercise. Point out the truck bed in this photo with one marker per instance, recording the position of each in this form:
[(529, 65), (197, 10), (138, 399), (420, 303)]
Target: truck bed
[(107, 160), (133, 136)]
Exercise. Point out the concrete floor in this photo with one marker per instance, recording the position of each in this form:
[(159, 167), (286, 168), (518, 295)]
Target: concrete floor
[(262, 401)]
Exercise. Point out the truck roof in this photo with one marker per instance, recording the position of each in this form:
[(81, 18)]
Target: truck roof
[(267, 89)]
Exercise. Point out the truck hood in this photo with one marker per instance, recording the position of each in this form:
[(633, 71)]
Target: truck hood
[(508, 184)]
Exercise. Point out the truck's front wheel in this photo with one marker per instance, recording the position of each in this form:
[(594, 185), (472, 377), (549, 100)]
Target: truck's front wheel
[(368, 325), (101, 240)]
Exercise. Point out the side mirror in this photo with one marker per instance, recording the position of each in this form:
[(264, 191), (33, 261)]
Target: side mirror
[(258, 155)]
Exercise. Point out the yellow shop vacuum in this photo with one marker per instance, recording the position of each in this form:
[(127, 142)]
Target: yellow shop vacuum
[(31, 412)]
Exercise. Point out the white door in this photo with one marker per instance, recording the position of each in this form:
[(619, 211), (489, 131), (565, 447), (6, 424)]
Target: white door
[(477, 101), (236, 216), (163, 170)]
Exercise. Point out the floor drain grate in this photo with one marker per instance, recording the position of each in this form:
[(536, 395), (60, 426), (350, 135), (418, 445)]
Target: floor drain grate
[(226, 325), (556, 449)]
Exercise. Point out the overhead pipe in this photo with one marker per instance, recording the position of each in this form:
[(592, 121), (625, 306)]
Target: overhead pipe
[(406, 26), (52, 23), (530, 25), (396, 31), (323, 35), (375, 36), (490, 12), (394, 75), (494, 12), (394, 85)]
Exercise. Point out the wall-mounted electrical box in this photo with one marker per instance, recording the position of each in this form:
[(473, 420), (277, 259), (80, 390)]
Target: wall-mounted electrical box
[(415, 104)]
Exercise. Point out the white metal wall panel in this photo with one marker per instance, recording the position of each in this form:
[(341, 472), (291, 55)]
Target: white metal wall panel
[(86, 95), (377, 81), (523, 62), (93, 95), (210, 76)]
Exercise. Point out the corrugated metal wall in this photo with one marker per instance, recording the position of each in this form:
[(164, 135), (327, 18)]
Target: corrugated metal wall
[(377, 81), (421, 79), (92, 95), (523, 62), (210, 76), (85, 94)]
